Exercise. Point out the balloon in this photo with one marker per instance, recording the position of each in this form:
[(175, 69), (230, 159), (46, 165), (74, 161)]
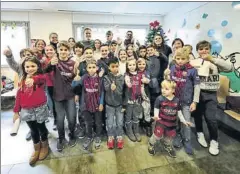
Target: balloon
[(216, 47), (228, 35), (224, 23), (211, 32)]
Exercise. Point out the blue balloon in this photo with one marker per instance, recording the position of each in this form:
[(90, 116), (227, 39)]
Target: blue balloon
[(224, 23), (216, 47), (211, 32), (228, 35)]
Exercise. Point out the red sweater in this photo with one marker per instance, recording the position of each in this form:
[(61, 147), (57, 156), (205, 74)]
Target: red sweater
[(49, 76), (32, 97)]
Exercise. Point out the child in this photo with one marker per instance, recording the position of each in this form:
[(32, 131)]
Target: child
[(71, 42), (81, 70), (31, 102), (91, 103), (17, 67), (189, 48), (132, 101), (40, 45), (166, 110), (122, 55), (143, 51), (112, 48), (208, 71), (157, 65), (187, 91), (78, 52), (146, 120), (63, 94), (113, 85), (131, 52), (102, 63), (50, 53)]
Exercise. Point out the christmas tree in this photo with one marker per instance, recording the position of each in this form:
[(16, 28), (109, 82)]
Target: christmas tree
[(155, 28)]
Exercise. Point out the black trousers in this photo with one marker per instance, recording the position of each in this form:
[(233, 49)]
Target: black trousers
[(50, 91), (208, 107), (91, 120), (38, 131)]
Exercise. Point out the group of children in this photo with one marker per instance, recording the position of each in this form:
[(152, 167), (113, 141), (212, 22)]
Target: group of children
[(119, 91)]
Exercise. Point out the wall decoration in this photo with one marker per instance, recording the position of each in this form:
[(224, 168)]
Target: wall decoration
[(224, 23), (205, 15), (216, 47), (184, 23), (228, 35), (197, 26), (211, 32)]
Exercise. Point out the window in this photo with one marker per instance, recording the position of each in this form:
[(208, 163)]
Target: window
[(99, 31), (15, 35)]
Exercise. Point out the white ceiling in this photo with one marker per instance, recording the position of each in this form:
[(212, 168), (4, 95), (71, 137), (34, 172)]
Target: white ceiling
[(151, 8)]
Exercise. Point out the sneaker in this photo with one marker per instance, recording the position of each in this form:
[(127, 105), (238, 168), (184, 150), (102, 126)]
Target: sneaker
[(177, 141), (97, 141), (87, 143), (72, 142), (188, 147), (110, 143), (60, 145), (28, 136), (171, 151), (80, 132), (214, 148), (201, 139), (120, 143), (151, 149)]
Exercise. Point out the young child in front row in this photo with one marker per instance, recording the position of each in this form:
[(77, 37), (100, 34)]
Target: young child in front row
[(187, 91), (166, 110), (63, 94), (31, 102), (113, 85), (90, 88), (133, 100)]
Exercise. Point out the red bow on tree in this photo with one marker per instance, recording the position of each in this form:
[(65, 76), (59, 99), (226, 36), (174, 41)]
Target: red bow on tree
[(154, 24)]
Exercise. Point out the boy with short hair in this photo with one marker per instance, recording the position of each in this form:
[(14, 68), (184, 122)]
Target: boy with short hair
[(208, 70), (113, 85), (63, 95), (90, 88)]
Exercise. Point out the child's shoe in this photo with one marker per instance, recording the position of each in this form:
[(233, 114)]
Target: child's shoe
[(35, 155), (44, 150), (120, 143), (188, 147), (97, 142), (171, 151), (87, 143), (214, 148), (201, 139), (110, 143), (151, 149)]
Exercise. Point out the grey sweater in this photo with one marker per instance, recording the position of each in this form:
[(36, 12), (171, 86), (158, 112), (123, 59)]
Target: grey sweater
[(113, 98), (17, 67)]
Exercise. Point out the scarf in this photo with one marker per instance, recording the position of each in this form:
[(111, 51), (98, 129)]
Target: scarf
[(180, 73)]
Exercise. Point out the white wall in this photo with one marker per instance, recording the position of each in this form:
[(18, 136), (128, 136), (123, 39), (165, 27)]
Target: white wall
[(217, 12), (43, 23)]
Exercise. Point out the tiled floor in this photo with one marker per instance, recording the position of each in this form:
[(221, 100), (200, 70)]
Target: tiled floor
[(134, 158)]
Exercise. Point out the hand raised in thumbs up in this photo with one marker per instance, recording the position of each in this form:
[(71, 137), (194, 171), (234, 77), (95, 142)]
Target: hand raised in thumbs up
[(113, 86)]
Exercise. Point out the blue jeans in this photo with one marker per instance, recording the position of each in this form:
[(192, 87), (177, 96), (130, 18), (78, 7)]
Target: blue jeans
[(186, 130), (114, 120)]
